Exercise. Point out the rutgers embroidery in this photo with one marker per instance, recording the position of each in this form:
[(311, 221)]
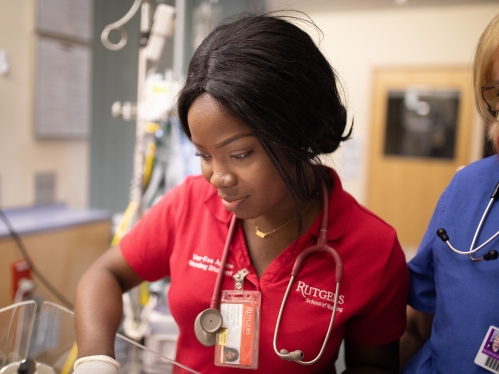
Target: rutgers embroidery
[(319, 297)]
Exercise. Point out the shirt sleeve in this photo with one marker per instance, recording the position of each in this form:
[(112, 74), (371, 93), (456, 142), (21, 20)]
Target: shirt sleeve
[(147, 247), (383, 320), (422, 292)]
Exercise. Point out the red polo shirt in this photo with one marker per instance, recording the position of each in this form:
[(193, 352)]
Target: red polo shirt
[(183, 236)]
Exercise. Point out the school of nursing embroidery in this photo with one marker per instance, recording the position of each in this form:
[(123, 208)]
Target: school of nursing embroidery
[(206, 263), (318, 297)]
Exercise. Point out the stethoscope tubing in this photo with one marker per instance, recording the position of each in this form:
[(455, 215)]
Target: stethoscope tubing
[(478, 229), (321, 246), (330, 327), (210, 320), (215, 299), (205, 333), (445, 238)]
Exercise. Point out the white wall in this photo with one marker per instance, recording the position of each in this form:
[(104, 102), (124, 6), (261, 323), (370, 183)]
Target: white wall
[(21, 154), (357, 42)]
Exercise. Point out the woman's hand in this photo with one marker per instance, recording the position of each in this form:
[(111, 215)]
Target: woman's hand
[(96, 364)]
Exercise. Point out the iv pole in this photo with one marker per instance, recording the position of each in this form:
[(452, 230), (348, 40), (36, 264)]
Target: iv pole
[(150, 47), (138, 162)]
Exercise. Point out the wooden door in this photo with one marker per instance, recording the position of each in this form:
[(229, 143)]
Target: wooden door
[(413, 156)]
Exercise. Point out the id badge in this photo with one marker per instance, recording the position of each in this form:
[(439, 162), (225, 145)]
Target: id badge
[(488, 354), (237, 341)]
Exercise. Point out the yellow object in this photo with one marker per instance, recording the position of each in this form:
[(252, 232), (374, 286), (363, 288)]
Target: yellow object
[(68, 365), (151, 127), (122, 228), (223, 335), (144, 293), (149, 163)]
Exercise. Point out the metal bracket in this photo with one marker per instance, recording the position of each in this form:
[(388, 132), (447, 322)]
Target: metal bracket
[(239, 278)]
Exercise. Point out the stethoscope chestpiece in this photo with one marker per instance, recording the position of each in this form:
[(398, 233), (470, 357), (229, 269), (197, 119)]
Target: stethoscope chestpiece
[(206, 326)]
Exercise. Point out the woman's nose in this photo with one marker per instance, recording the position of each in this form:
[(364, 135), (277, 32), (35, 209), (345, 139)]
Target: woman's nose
[(222, 177)]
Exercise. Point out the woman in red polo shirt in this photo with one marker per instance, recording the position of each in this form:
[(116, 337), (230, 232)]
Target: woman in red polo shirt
[(261, 104)]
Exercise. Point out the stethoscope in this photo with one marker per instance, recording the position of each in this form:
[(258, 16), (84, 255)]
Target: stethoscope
[(209, 321), (490, 255)]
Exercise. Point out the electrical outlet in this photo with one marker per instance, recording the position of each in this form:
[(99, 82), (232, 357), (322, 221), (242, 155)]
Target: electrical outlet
[(44, 188), (20, 270)]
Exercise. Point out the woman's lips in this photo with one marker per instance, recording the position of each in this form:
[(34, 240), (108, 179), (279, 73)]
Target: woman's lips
[(232, 205)]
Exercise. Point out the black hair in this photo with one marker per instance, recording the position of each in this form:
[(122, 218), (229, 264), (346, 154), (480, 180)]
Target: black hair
[(269, 72)]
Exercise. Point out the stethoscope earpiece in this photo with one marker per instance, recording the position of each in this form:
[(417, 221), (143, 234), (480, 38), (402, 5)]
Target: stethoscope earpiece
[(442, 234), (293, 356), (491, 255), (206, 326)]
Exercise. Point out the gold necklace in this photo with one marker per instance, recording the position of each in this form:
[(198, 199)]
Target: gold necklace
[(263, 235)]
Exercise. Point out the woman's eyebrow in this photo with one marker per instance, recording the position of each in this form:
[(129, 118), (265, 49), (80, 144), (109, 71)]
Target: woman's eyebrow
[(231, 139), (227, 141)]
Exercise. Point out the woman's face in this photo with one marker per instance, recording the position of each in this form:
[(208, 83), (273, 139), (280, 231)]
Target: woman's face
[(234, 162), (495, 67), (230, 355), (495, 73), (495, 342)]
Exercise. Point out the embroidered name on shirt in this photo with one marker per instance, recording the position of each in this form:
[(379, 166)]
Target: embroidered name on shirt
[(206, 263), (309, 291)]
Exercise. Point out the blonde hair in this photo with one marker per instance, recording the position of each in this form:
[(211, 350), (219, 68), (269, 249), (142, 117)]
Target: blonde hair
[(487, 46)]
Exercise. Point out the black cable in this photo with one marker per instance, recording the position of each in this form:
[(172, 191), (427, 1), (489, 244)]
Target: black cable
[(35, 270)]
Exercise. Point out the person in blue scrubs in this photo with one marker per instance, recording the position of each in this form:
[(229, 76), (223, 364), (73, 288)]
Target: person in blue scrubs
[(454, 300)]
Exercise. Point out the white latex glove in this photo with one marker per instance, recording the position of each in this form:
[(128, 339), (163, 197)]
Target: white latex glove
[(96, 365)]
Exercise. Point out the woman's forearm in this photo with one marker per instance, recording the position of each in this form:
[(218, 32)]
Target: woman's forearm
[(418, 331), (99, 303), (98, 312)]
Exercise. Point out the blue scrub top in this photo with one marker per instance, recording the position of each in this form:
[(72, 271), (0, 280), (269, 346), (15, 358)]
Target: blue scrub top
[(463, 295)]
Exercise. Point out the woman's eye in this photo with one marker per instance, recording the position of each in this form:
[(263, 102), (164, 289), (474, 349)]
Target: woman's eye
[(240, 156), (202, 155)]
